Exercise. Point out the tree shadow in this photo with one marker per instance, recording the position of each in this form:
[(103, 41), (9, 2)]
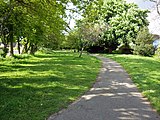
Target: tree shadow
[(22, 97), (113, 97), (43, 82)]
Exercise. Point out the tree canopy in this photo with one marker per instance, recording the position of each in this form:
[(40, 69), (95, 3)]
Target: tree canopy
[(34, 23), (122, 22), (41, 23)]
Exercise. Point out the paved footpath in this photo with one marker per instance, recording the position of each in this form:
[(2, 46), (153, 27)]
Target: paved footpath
[(113, 97)]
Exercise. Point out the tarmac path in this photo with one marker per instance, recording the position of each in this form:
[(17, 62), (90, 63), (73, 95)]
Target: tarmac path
[(113, 97)]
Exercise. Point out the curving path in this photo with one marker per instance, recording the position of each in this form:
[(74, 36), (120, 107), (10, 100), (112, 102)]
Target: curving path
[(113, 97)]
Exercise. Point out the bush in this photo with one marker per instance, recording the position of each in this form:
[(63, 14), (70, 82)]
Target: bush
[(144, 50), (3, 52), (158, 52), (143, 43)]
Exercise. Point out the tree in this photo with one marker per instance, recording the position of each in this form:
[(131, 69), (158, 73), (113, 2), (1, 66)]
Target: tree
[(122, 21), (125, 21), (143, 43), (157, 52), (89, 33), (33, 20), (72, 40)]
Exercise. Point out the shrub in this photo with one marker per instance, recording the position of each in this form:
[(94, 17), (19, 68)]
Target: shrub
[(144, 50), (3, 52), (143, 43), (158, 52)]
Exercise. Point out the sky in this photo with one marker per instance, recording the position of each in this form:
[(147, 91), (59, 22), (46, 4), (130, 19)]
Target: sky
[(153, 17), (143, 4)]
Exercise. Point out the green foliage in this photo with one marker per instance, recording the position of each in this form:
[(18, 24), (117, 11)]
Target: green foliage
[(144, 71), (158, 52), (122, 22), (125, 21), (144, 43), (72, 40), (33, 88), (3, 52), (40, 22)]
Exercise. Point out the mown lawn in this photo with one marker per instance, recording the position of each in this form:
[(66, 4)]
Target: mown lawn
[(145, 72), (34, 88)]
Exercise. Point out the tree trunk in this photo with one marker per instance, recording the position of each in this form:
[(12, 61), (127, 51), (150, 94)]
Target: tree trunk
[(5, 50), (33, 49), (11, 40), (110, 50), (26, 48), (19, 48), (4, 41), (81, 52), (11, 48)]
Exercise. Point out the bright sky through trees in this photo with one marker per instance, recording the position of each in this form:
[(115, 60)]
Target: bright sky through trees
[(143, 4), (153, 17)]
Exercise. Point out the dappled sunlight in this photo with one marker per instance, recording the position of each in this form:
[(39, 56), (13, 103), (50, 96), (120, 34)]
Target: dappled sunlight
[(127, 113), (88, 97), (115, 70), (114, 91), (47, 82), (30, 73), (128, 85), (113, 96), (145, 72)]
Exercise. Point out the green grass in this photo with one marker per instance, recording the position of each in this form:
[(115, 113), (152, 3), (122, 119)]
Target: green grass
[(145, 72), (33, 88)]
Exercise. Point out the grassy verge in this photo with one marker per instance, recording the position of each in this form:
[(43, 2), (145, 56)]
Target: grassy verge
[(145, 72), (32, 88)]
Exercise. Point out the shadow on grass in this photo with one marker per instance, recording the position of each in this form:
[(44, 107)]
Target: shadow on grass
[(35, 88), (30, 101)]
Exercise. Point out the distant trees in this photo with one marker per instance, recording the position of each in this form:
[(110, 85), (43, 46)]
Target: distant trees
[(26, 19), (84, 35), (72, 40), (36, 23), (41, 23), (122, 23)]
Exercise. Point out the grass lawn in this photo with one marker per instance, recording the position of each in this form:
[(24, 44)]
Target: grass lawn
[(145, 72), (34, 88)]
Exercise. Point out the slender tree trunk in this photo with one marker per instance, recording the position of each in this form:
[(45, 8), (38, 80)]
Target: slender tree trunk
[(4, 41), (110, 50), (26, 48), (81, 52), (5, 50), (33, 49), (19, 48), (11, 40), (11, 48), (83, 46)]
